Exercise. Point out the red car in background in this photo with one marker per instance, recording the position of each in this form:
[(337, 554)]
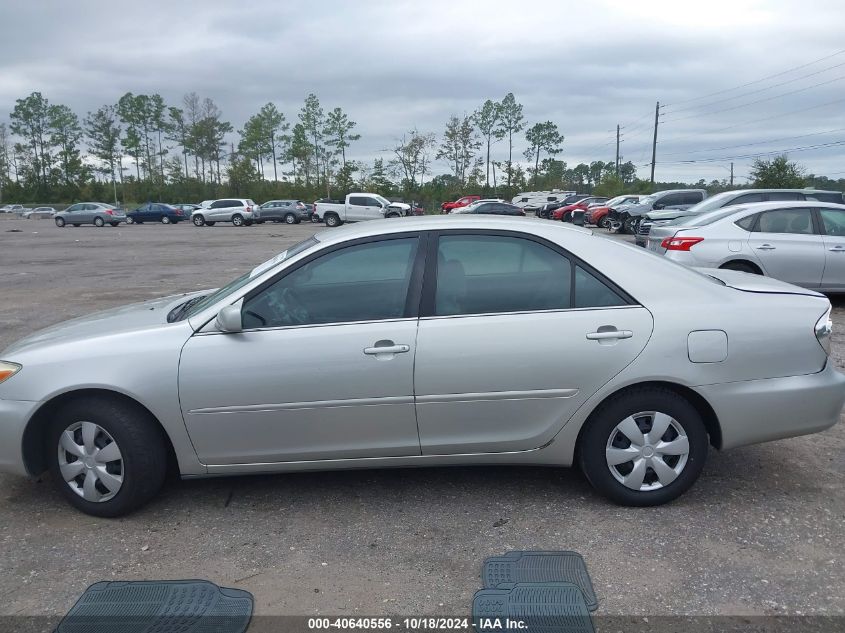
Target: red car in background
[(447, 207), (581, 205), (597, 215)]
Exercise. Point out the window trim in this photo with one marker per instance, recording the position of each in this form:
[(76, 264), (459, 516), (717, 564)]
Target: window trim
[(412, 297), (429, 286)]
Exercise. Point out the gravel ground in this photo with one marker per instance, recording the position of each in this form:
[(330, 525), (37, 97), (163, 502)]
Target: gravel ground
[(760, 534)]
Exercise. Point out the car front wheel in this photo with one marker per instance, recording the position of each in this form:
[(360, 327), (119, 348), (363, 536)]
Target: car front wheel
[(106, 458), (60, 222), (643, 447), (631, 225), (290, 218), (198, 220)]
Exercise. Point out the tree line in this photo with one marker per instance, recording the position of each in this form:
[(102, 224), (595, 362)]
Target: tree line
[(142, 148)]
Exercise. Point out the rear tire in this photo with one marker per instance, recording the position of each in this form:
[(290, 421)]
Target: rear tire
[(60, 222), (238, 220), (601, 442), (198, 220), (165, 219), (140, 447), (332, 220), (743, 267)]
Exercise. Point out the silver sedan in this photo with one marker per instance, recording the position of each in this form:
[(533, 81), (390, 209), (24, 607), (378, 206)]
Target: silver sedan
[(435, 341), (799, 242)]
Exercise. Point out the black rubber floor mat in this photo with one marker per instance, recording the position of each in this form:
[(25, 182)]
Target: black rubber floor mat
[(540, 567), (531, 607), (186, 606)]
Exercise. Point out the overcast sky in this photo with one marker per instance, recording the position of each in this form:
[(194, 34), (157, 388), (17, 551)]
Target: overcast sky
[(397, 64)]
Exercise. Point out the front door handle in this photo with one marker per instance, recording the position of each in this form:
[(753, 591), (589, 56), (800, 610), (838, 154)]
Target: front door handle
[(386, 349), (609, 334), (837, 249), (765, 247)]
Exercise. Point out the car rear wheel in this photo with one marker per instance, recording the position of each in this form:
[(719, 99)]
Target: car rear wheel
[(98, 221), (290, 218), (332, 220), (129, 220), (198, 220), (393, 215), (114, 223), (211, 223), (106, 458), (60, 222), (644, 447), (238, 220), (165, 219), (743, 267)]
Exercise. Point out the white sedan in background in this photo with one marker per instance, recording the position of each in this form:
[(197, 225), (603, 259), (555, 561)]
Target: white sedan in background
[(802, 243)]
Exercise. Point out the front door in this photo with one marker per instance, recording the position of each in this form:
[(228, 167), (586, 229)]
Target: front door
[(517, 337), (323, 368), (788, 246)]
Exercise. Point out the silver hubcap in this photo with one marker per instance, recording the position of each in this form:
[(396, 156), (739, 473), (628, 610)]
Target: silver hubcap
[(90, 461), (647, 450)]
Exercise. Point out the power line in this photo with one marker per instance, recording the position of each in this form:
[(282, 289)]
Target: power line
[(776, 116), (723, 159), (774, 140), (757, 81), (743, 105), (748, 94)]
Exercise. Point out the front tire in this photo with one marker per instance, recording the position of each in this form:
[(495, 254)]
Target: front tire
[(604, 223), (630, 226), (198, 220), (106, 458), (643, 447), (60, 222), (393, 215), (98, 221), (290, 218), (130, 220)]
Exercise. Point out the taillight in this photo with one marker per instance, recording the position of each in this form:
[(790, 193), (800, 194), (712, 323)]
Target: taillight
[(249, 209), (179, 212), (680, 243), (109, 212), (824, 329)]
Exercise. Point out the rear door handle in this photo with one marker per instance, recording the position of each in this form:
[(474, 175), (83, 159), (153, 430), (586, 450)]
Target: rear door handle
[(837, 249), (765, 247), (386, 348), (610, 334)]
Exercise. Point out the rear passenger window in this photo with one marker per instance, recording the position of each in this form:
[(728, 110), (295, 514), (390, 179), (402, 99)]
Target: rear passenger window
[(775, 196), (693, 197), (748, 197), (478, 274), (797, 221), (591, 292)]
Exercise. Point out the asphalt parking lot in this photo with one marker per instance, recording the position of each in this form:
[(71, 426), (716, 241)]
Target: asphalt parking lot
[(761, 533)]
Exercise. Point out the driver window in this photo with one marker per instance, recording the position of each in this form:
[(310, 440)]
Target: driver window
[(367, 282)]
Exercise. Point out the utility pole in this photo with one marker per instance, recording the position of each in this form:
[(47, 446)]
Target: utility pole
[(617, 150), (654, 142), (732, 174)]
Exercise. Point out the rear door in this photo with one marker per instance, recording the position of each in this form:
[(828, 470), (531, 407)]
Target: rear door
[(788, 246), (514, 336), (833, 229)]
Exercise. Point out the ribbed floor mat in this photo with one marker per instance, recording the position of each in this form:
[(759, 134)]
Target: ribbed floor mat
[(552, 607), (183, 606), (520, 567)]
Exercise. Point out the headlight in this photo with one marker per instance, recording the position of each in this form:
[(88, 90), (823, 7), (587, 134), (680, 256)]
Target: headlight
[(7, 370), (824, 328)]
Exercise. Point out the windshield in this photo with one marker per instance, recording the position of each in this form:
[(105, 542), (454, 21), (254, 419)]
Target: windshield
[(707, 218), (385, 202), (713, 202), (198, 304), (649, 200)]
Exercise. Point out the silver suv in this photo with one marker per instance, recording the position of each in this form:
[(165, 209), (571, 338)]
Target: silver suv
[(627, 220), (238, 211)]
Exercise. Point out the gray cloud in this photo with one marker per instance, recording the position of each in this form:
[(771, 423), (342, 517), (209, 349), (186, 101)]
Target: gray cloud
[(401, 64)]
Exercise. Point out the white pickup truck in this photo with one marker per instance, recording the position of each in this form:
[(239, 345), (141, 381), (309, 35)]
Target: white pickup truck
[(359, 207)]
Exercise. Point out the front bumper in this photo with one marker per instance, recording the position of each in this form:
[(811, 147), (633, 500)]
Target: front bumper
[(754, 411), (14, 416)]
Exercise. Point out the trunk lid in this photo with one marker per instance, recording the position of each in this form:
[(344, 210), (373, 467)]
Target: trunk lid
[(748, 282)]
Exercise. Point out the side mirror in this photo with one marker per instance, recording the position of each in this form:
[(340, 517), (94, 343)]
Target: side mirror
[(229, 319)]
